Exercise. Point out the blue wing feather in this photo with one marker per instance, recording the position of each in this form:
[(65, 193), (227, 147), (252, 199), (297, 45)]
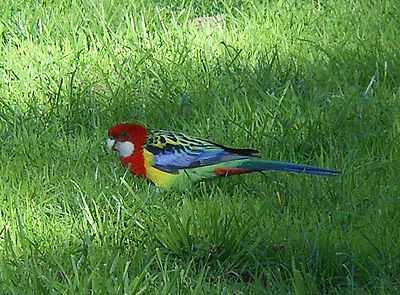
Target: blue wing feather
[(174, 151), (171, 160)]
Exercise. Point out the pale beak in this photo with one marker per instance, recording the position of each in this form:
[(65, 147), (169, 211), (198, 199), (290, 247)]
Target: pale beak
[(110, 142)]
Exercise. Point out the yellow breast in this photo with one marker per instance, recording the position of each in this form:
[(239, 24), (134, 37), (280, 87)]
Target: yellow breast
[(157, 176)]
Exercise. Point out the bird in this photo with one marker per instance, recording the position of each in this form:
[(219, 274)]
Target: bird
[(173, 159)]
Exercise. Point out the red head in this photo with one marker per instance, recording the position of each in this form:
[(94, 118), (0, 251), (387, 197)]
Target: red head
[(126, 137)]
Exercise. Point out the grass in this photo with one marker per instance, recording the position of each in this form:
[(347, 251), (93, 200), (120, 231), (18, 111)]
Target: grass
[(310, 82)]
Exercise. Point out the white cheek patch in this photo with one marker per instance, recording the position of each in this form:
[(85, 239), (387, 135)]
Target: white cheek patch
[(125, 149)]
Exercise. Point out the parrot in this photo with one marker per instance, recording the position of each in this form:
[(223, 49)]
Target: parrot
[(173, 159)]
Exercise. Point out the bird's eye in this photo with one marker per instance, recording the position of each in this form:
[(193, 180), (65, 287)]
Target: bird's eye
[(123, 134)]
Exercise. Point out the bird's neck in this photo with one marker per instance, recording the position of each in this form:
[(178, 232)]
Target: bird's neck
[(136, 160)]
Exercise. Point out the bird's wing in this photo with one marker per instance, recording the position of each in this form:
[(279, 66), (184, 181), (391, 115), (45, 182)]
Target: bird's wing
[(173, 151)]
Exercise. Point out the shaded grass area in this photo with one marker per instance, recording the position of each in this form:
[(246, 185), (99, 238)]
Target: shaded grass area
[(290, 80)]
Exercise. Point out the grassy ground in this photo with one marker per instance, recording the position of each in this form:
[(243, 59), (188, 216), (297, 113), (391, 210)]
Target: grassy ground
[(316, 82)]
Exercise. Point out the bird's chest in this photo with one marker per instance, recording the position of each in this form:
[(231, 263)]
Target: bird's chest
[(157, 176), (136, 162)]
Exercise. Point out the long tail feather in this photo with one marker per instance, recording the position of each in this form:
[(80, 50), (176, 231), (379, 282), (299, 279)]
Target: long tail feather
[(265, 165)]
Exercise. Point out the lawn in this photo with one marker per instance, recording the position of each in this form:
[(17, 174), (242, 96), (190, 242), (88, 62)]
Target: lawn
[(313, 82)]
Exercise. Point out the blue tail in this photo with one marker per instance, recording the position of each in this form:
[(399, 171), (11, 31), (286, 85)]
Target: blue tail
[(265, 165)]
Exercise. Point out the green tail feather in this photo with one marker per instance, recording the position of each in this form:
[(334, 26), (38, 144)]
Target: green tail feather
[(265, 165), (188, 176)]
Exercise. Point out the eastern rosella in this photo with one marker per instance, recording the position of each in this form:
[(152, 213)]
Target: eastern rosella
[(172, 159)]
